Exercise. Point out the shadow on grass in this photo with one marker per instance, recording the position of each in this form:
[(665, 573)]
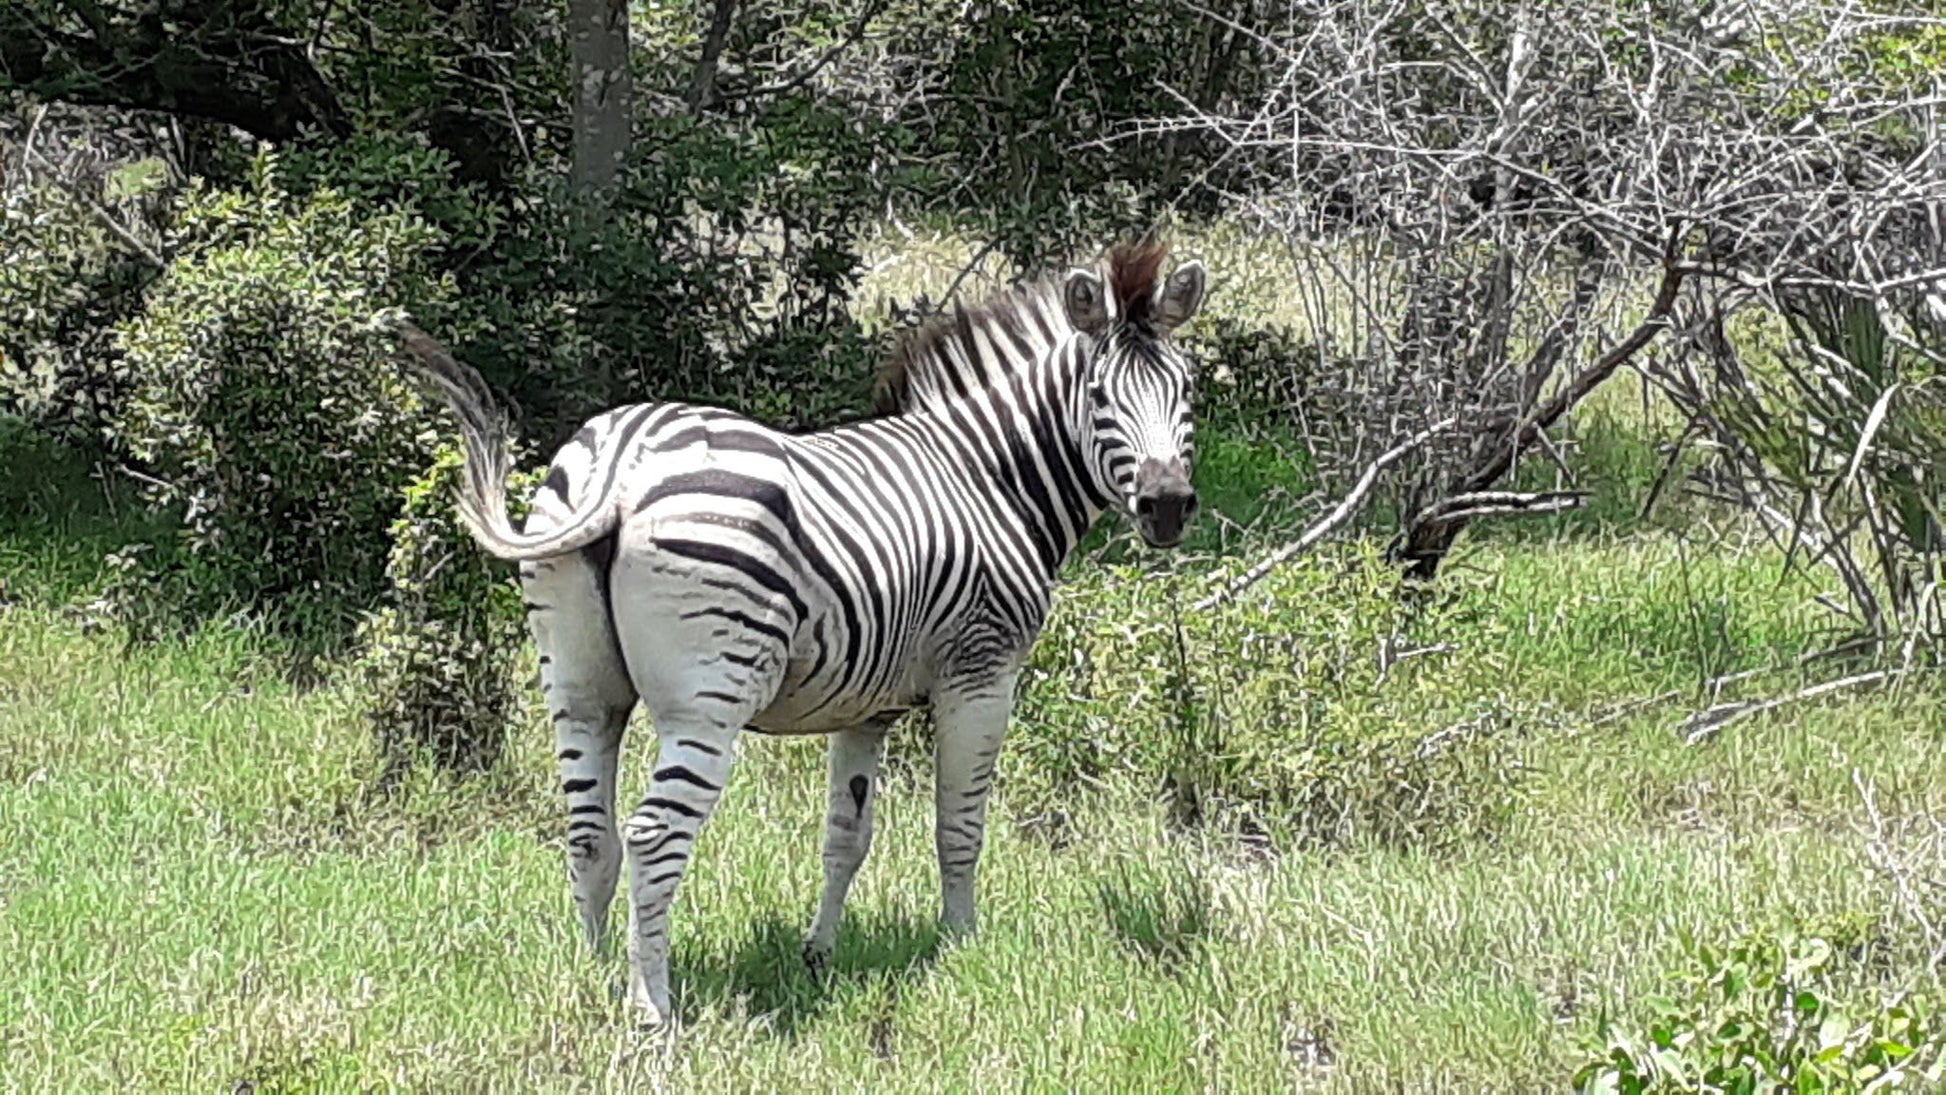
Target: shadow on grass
[(766, 968), (60, 515), (1160, 914)]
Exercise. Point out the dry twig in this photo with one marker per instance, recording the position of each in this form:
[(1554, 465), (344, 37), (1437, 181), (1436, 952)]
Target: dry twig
[(1704, 725), (1339, 514)]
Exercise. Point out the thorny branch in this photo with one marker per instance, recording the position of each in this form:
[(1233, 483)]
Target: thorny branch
[(1339, 514), (1471, 202)]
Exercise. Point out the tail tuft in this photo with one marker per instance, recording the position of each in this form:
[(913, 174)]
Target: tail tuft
[(482, 493)]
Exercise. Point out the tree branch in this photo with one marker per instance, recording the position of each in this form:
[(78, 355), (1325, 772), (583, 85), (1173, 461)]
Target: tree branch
[(228, 63), (851, 38), (1423, 544), (1338, 516), (702, 82), (101, 215)]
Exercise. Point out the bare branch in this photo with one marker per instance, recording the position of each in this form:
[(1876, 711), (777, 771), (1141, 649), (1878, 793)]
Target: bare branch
[(1339, 514), (1704, 725), (101, 215), (1461, 508)]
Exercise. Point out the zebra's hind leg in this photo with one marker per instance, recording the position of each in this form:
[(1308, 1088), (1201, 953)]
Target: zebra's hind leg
[(971, 721), (852, 795), (693, 761), (706, 647), (589, 697)]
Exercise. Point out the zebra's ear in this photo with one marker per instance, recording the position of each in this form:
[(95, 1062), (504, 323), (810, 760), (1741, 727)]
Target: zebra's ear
[(1085, 297), (1177, 299)]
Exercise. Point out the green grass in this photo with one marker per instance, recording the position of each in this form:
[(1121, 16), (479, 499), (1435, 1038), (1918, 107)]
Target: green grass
[(199, 887), (196, 894), (56, 520)]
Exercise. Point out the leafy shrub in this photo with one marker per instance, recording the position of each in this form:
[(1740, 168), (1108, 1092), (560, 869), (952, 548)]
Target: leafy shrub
[(720, 272), (266, 404), (1276, 717), (436, 664), (64, 284), (1761, 1016), (1257, 372)]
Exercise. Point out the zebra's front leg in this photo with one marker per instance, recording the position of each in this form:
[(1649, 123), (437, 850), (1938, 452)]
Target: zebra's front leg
[(693, 761), (971, 725), (852, 796)]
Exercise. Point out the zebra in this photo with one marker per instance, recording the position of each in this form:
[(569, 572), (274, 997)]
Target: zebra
[(729, 576)]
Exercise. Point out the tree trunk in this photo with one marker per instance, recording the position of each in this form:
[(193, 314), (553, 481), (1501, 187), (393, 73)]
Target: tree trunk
[(598, 52), (702, 83)]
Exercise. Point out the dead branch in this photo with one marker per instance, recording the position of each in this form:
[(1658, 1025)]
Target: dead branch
[(100, 214), (1331, 521), (1704, 725), (791, 84), (1461, 508), (1430, 534), (1470, 201), (1715, 685)]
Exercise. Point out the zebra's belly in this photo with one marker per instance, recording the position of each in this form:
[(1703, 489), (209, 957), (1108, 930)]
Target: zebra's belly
[(812, 711), (830, 683)]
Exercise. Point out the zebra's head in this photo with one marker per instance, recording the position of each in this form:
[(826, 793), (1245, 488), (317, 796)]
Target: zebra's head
[(1138, 429)]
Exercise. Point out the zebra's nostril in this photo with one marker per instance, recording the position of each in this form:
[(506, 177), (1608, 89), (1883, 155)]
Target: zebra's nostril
[(1190, 506), (1145, 506)]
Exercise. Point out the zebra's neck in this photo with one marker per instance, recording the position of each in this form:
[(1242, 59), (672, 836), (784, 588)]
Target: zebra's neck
[(1026, 436)]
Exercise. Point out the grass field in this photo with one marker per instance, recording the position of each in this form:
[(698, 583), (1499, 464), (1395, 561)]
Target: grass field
[(202, 889)]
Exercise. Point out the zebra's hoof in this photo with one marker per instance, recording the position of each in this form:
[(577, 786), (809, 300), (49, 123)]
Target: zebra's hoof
[(817, 958), (649, 1013)]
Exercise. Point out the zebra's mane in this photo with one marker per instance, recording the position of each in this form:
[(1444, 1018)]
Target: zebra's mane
[(943, 359)]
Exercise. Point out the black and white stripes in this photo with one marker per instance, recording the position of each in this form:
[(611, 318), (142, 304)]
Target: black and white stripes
[(729, 576)]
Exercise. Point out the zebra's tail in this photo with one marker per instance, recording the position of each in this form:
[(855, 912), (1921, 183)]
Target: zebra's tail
[(482, 493)]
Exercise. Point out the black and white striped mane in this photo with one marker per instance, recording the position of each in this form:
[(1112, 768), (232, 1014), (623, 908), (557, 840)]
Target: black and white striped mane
[(973, 347)]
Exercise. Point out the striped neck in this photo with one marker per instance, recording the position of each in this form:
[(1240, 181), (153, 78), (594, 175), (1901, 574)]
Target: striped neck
[(1027, 434)]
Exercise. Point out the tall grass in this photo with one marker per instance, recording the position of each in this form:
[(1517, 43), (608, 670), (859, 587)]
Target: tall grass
[(1318, 840), (200, 887)]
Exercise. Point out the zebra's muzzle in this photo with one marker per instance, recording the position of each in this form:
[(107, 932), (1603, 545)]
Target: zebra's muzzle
[(1164, 502)]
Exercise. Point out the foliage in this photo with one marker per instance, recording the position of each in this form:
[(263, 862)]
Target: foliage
[(1275, 721), (720, 273), (729, 252), (1762, 1015), (436, 664), (1256, 372), (65, 281), (1092, 77), (265, 402), (1828, 419)]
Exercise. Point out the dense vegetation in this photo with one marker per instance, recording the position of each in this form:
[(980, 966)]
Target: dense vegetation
[(1636, 790)]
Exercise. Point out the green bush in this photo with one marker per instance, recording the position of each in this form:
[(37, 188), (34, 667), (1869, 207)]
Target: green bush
[(436, 669), (1762, 1016), (1257, 373), (719, 273), (64, 283), (266, 404), (1272, 713)]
